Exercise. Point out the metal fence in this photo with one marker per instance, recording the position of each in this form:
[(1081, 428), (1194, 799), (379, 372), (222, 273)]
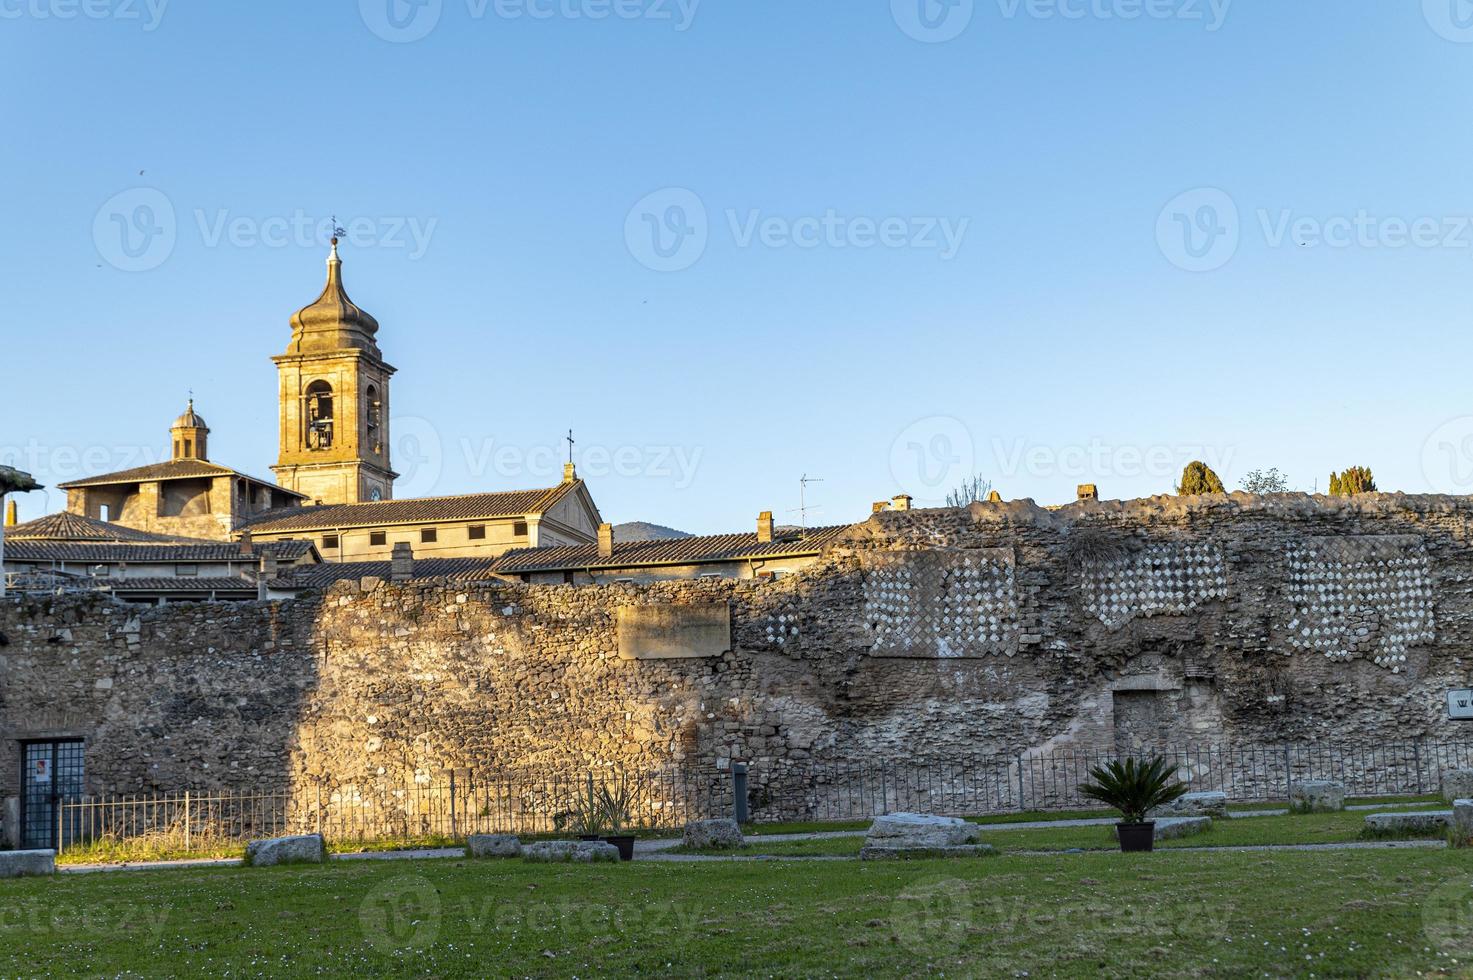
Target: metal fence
[(453, 805), (448, 806)]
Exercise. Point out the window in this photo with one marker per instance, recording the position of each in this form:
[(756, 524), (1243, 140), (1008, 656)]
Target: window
[(378, 538), (189, 447), (568, 578), (519, 529), (329, 540), (429, 535), (319, 415), (476, 532), (186, 571)]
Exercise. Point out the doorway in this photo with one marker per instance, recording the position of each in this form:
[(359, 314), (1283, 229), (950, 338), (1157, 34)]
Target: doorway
[(51, 772)]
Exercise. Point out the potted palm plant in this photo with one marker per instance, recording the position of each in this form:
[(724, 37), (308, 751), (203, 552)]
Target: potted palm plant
[(586, 817), (1135, 788), (615, 803)]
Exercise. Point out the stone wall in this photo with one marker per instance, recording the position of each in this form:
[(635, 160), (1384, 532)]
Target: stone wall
[(925, 636)]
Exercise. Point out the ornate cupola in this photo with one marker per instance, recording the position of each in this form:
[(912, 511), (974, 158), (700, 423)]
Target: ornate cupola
[(333, 321), (334, 401), (190, 435)]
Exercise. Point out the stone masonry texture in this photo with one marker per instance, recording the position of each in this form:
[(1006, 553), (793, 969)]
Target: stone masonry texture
[(1000, 629)]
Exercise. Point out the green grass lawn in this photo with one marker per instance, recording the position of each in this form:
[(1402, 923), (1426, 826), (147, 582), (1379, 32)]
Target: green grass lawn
[(1318, 828), (1173, 913)]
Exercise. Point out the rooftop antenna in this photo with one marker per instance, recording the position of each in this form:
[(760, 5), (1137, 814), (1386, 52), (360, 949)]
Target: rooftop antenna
[(803, 507)]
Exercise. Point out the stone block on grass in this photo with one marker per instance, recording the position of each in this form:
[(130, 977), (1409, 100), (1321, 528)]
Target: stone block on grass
[(880, 853), (1457, 784), (713, 835), (1423, 822), (1210, 804), (570, 852), (493, 846), (302, 849), (1462, 835), (1316, 796), (27, 864), (918, 830)]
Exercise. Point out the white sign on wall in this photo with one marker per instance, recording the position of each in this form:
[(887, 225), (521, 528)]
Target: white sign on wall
[(1460, 705)]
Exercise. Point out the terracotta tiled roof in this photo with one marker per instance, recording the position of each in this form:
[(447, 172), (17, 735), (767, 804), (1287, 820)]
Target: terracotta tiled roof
[(422, 510), (143, 553), (202, 586), (66, 526), (174, 469), (679, 551), (321, 576)]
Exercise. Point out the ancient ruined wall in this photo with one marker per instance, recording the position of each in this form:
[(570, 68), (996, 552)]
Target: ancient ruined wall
[(929, 635)]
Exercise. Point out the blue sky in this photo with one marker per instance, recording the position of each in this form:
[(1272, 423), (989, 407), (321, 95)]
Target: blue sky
[(1066, 245)]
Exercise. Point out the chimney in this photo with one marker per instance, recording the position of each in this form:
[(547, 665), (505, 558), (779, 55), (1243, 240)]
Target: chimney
[(266, 573), (764, 527), (994, 497), (606, 540), (247, 545), (1088, 491), (401, 563), (11, 514), (902, 502)]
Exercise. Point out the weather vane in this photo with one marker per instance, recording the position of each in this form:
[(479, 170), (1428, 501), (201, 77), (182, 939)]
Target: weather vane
[(337, 232)]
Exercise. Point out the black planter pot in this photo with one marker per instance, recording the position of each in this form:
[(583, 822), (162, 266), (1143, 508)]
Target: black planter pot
[(1136, 837), (625, 846)]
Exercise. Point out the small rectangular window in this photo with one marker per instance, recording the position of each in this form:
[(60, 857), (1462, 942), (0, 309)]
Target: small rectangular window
[(329, 540), (519, 529), (378, 538), (477, 532), (429, 535), (568, 578), (186, 571)]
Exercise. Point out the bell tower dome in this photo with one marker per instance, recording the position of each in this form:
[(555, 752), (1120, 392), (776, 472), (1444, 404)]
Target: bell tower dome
[(334, 401), (190, 436)]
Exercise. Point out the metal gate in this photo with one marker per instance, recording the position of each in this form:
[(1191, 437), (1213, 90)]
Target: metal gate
[(52, 772)]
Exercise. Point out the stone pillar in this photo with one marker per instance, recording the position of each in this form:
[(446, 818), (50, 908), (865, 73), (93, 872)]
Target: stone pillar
[(401, 565), (764, 527), (266, 573), (606, 540)]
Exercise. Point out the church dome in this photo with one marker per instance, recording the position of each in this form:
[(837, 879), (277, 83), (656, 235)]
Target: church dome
[(333, 321), (190, 420)]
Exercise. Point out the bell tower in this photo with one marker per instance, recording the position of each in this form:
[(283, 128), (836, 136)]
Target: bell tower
[(335, 401)]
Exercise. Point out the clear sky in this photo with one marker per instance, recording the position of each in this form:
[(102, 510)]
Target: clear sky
[(729, 243)]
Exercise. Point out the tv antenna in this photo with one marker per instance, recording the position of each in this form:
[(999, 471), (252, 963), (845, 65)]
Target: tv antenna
[(803, 507)]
